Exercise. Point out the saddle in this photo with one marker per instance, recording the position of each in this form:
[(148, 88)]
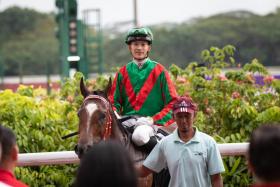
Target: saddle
[(161, 131), (165, 131)]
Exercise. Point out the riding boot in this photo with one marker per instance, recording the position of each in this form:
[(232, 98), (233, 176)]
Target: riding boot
[(148, 147)]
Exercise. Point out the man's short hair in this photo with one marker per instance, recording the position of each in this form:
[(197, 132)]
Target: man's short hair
[(8, 141), (264, 152)]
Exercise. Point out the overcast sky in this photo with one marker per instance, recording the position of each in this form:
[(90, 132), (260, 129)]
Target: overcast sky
[(153, 11)]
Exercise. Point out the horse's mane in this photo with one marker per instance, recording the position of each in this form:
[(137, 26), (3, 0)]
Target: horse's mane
[(119, 123)]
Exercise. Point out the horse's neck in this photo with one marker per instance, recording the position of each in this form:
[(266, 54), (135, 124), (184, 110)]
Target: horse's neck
[(117, 133), (124, 138)]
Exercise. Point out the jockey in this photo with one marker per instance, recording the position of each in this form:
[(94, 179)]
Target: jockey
[(143, 88)]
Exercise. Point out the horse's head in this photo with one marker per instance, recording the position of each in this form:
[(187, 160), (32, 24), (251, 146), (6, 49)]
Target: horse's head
[(95, 118)]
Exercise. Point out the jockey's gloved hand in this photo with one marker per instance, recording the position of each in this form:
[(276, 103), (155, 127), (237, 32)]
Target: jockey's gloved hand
[(144, 121)]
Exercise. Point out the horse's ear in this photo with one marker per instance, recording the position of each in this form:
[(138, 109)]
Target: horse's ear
[(83, 88), (108, 88)]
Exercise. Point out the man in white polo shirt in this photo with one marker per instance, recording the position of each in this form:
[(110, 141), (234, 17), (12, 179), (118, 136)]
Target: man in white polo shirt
[(192, 157)]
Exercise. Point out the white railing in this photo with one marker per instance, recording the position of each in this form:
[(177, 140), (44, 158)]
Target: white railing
[(69, 157), (47, 158), (233, 149)]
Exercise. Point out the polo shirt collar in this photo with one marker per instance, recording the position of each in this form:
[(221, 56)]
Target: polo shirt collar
[(194, 139)]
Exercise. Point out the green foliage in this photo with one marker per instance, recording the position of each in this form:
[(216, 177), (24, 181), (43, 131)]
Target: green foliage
[(270, 115), (255, 66), (39, 121), (27, 42), (276, 85), (253, 35), (236, 169), (16, 21), (236, 173)]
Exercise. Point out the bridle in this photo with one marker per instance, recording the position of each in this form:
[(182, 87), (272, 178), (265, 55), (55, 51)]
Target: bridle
[(108, 127)]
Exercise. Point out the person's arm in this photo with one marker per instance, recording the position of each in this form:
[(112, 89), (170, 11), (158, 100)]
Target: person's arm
[(143, 171), (215, 164), (168, 91), (115, 93), (217, 180), (155, 162)]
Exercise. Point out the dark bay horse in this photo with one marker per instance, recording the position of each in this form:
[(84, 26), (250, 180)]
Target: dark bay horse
[(97, 122)]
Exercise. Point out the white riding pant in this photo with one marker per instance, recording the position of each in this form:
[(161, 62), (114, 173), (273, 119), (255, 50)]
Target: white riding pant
[(141, 134)]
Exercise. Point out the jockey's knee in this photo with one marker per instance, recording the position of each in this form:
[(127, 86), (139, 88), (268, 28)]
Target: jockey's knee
[(142, 134)]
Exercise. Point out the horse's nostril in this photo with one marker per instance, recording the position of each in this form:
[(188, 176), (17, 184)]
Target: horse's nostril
[(76, 149), (79, 151)]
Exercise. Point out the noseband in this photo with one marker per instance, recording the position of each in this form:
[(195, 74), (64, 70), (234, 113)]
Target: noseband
[(108, 127)]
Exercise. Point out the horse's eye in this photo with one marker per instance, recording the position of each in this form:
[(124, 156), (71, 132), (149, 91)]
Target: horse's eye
[(79, 113)]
